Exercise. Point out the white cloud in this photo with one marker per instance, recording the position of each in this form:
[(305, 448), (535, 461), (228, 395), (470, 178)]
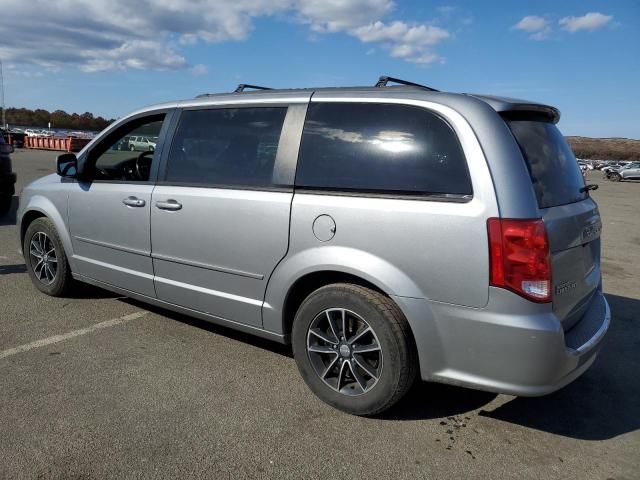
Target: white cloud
[(98, 35), (531, 23), (14, 71), (410, 42), (135, 54), (341, 15), (591, 21), (536, 26), (541, 35), (199, 69)]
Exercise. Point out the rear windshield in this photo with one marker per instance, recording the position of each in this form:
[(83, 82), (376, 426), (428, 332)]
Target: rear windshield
[(554, 171)]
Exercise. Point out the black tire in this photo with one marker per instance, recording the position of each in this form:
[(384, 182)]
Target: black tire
[(132, 148), (398, 358), (615, 177), (62, 280), (5, 204)]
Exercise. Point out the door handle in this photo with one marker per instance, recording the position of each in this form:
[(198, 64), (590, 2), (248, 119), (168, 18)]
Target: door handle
[(169, 205), (134, 202)]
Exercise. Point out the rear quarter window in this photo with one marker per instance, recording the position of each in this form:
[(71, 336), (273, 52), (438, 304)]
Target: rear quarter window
[(554, 171), (381, 148)]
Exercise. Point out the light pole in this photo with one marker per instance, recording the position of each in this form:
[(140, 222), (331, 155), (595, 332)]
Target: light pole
[(4, 122)]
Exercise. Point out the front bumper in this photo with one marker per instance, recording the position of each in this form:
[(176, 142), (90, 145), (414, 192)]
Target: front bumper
[(502, 348)]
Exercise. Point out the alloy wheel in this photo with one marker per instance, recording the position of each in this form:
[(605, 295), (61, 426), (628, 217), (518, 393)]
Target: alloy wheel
[(344, 351), (44, 260)]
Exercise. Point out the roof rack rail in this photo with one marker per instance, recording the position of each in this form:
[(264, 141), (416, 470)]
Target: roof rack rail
[(383, 80), (243, 86)]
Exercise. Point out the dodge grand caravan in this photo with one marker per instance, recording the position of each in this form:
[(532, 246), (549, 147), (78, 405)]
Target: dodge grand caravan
[(387, 233)]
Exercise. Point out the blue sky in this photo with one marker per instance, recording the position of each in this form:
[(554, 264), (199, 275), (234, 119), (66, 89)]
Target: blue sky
[(110, 57)]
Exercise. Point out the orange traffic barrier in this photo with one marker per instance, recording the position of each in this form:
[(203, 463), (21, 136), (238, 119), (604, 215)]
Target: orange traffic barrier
[(63, 144)]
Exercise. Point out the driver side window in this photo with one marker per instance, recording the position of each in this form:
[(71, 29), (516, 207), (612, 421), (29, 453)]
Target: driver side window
[(128, 153)]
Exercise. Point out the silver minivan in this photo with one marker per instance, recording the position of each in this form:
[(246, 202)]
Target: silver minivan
[(386, 233)]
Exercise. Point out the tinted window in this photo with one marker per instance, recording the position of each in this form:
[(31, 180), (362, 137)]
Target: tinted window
[(380, 148), (554, 171), (226, 147)]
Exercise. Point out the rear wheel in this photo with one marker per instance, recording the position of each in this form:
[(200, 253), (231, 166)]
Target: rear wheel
[(354, 349), (45, 258)]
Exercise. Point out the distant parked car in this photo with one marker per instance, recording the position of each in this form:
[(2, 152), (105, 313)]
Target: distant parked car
[(588, 164), (7, 177), (142, 144), (629, 172), (13, 137), (122, 144), (611, 167), (598, 165)]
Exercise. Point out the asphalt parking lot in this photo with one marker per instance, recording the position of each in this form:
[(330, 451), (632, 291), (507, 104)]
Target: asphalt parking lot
[(100, 386)]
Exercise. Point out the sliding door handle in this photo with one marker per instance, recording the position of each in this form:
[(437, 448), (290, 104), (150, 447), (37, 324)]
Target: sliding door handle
[(134, 202), (169, 205)]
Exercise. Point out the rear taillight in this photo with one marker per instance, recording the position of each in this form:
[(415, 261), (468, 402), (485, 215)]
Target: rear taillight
[(519, 257)]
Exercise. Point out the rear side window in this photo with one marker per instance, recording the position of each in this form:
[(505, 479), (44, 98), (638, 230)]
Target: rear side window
[(372, 147), (554, 171), (226, 147)]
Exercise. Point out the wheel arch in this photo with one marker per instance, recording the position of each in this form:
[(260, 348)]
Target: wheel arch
[(311, 282), (422, 328), (41, 207), (27, 219), (300, 274)]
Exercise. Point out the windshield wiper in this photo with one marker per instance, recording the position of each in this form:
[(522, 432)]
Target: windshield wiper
[(591, 186)]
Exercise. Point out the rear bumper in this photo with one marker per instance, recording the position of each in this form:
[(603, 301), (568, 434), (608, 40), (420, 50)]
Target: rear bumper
[(502, 348)]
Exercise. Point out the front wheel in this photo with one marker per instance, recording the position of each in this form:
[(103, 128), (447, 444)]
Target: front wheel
[(45, 258), (615, 177), (354, 349)]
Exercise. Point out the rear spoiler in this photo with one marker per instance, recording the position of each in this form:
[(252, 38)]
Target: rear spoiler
[(534, 111), (513, 109)]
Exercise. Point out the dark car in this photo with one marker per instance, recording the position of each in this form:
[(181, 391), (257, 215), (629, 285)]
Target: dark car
[(7, 177), (17, 138)]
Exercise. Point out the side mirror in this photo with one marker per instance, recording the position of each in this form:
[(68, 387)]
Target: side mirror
[(67, 165)]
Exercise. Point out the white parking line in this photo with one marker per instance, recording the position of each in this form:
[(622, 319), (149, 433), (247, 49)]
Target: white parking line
[(66, 336)]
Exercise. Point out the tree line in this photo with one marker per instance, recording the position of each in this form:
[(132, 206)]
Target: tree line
[(605, 148), (40, 118)]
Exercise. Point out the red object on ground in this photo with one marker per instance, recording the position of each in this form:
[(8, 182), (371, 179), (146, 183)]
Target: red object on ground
[(63, 144)]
